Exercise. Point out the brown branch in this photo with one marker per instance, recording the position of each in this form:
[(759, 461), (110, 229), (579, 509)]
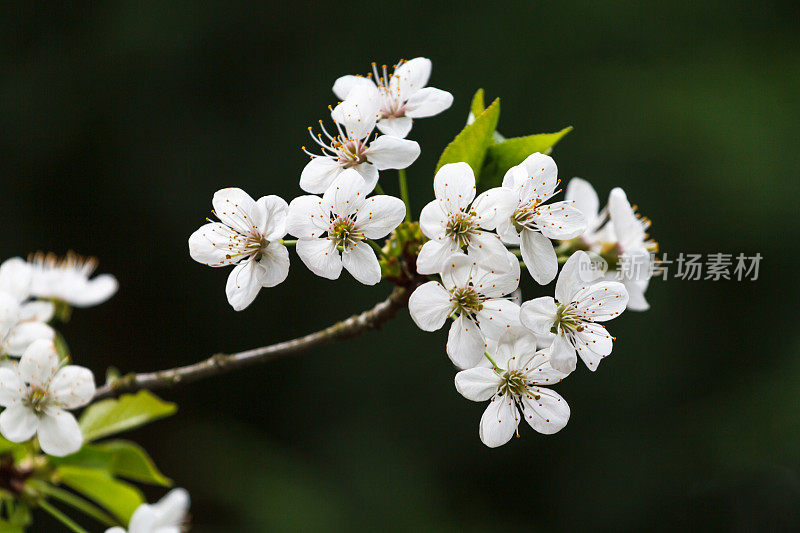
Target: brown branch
[(221, 363)]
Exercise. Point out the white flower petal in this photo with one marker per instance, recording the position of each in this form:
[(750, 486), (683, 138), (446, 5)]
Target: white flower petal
[(380, 215), (477, 384), (494, 206), (576, 274), (307, 217), (410, 77), (235, 208), (321, 257), (465, 343), (429, 306), (59, 433), (243, 284), (507, 232), (602, 301), (211, 244), (454, 186), (432, 220), (499, 421), (548, 414), (72, 387), (361, 262), (540, 371), (346, 195), (172, 509), (433, 255), (274, 209), (498, 316), (428, 102), (95, 291), (275, 263), (12, 389), (593, 344), (562, 355), (539, 314), (560, 220), (636, 290), (499, 281), (457, 271), (39, 363), (345, 84), (539, 256), (319, 173), (369, 173), (37, 311), (487, 249), (541, 178), (585, 200), (387, 152), (18, 423), (514, 347), (629, 229), (21, 336), (358, 113), (15, 278), (396, 126)]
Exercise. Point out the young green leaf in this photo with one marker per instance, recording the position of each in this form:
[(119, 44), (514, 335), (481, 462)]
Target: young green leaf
[(120, 458), (119, 498), (477, 107), (111, 416), (471, 143), (502, 156)]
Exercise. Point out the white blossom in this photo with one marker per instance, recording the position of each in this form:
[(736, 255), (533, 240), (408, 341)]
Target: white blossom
[(332, 230), (516, 387), (533, 223), (451, 223), (619, 233), (473, 295), (21, 321), (249, 235), (68, 279), (36, 392), (403, 94), (166, 516), (350, 146), (581, 302)]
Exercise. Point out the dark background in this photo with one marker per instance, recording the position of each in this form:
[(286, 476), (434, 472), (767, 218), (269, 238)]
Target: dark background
[(119, 121)]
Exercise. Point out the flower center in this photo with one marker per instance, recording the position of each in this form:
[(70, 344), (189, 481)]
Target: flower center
[(38, 399), (514, 383), (460, 228), (567, 319), (343, 231), (350, 152), (466, 300), (523, 217)]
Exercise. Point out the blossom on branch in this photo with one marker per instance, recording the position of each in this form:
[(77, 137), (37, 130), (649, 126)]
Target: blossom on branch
[(334, 231), (249, 235)]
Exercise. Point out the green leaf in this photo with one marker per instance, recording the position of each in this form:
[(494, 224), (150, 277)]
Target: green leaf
[(502, 156), (471, 143), (117, 457), (477, 107), (119, 498), (111, 416)]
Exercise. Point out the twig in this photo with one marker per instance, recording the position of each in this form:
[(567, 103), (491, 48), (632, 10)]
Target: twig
[(221, 363)]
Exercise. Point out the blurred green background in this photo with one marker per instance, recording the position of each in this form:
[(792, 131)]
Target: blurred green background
[(119, 120)]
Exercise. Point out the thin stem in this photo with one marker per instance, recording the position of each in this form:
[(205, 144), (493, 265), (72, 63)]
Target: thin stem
[(221, 363), (379, 189), (76, 502), (61, 517), (289, 242), (489, 357), (401, 176)]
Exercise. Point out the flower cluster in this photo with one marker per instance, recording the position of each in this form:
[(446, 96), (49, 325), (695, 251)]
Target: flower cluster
[(39, 389), (463, 259)]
